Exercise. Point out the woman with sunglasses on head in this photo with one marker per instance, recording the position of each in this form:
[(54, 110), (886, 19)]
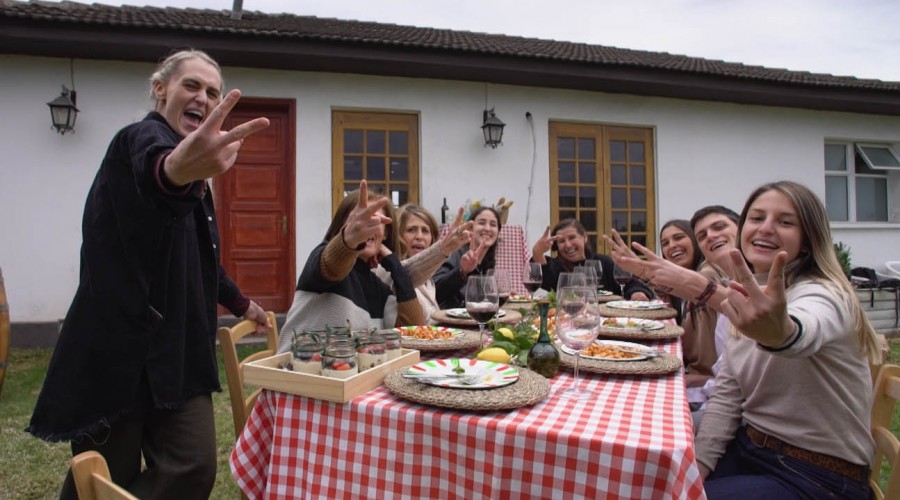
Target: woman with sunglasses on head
[(790, 416)]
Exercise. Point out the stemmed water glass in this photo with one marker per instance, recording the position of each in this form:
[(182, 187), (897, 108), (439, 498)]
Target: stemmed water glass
[(482, 300), (569, 280), (504, 287), (590, 275), (622, 277), (577, 328), (533, 279), (597, 266)]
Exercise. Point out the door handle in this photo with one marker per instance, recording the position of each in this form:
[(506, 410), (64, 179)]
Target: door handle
[(284, 225)]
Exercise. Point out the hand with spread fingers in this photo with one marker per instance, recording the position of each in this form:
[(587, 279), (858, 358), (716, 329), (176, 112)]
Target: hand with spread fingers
[(542, 246), (652, 269), (459, 234), (210, 151), (366, 221), (759, 312)]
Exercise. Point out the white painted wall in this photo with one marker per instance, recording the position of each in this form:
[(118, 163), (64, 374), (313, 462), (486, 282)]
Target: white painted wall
[(705, 153)]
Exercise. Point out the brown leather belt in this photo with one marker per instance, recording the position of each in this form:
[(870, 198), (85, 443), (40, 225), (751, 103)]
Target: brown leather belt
[(837, 465)]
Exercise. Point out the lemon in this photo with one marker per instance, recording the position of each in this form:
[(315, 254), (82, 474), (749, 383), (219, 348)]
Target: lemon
[(506, 332), (495, 354)]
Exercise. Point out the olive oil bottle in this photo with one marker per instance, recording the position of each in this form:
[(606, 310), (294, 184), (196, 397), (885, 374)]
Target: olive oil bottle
[(543, 357)]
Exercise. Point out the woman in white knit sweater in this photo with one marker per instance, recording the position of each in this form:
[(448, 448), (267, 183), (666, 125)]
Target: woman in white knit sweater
[(790, 414)]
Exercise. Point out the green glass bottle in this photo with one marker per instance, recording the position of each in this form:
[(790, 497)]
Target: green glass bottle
[(543, 357)]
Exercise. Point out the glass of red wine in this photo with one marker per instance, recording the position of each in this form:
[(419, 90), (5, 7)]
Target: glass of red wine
[(482, 300), (622, 277), (533, 279), (504, 287)]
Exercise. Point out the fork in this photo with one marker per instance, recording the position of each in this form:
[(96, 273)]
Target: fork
[(463, 378), (650, 353)]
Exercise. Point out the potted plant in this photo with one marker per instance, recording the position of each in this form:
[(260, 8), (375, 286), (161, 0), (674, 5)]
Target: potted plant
[(842, 252)]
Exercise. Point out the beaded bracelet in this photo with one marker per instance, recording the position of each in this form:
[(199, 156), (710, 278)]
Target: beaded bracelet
[(703, 298)]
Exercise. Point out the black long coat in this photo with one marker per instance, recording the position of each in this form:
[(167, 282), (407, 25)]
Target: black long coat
[(146, 301)]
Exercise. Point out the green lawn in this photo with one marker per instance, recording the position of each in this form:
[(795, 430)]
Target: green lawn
[(31, 468)]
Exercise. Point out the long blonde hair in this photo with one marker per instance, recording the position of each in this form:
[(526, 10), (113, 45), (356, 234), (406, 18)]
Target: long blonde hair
[(169, 66), (819, 263)]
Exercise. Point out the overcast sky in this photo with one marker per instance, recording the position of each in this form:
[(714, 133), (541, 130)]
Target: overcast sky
[(840, 37)]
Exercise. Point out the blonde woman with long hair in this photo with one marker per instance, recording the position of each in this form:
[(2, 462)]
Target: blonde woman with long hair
[(790, 414)]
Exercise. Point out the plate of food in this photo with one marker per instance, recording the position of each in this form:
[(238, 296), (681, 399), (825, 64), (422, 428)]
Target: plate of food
[(637, 305), (614, 350), (429, 332), (463, 373), (635, 324), (461, 313), (518, 299)]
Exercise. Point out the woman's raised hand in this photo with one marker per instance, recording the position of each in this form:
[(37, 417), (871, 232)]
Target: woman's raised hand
[(652, 269), (542, 246), (759, 312), (458, 236), (470, 260), (210, 151), (365, 220)]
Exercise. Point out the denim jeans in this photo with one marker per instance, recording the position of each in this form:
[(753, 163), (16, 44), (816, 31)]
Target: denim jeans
[(748, 472)]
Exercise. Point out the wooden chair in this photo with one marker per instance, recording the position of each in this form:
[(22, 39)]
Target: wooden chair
[(92, 479), (234, 367), (887, 447)]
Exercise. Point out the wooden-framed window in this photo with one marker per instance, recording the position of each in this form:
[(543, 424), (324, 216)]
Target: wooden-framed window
[(382, 148), (604, 177)]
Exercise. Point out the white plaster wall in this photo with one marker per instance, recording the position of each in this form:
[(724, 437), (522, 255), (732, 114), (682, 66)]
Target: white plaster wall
[(705, 153)]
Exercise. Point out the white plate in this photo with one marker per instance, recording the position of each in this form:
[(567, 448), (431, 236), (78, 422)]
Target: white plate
[(613, 343), (519, 299), (405, 330), (633, 305), (604, 293), (496, 374), (632, 324), (461, 313)]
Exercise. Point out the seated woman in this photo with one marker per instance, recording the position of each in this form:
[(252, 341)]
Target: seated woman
[(337, 284), (569, 239), (790, 414), (476, 257), (679, 246)]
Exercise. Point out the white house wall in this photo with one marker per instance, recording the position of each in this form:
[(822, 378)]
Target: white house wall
[(705, 153)]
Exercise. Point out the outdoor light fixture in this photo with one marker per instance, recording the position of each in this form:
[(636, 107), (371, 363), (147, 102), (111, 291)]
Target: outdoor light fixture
[(492, 128), (63, 111)]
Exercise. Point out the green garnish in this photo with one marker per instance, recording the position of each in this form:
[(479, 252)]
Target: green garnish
[(457, 368)]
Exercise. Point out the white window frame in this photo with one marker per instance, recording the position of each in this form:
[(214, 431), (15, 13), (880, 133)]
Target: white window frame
[(849, 173), (861, 148)]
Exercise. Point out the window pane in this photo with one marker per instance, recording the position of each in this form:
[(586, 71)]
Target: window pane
[(585, 149), (588, 219), (566, 171), (835, 157), (353, 168), (636, 152), (353, 140), (617, 175), (637, 176), (880, 156), (863, 168), (399, 169), (836, 198), (567, 196), (375, 142), (566, 147), (638, 222), (617, 151), (586, 173), (638, 198), (399, 194), (619, 198), (349, 187), (399, 142), (620, 222), (375, 169), (566, 214), (587, 197), (871, 199), (640, 238)]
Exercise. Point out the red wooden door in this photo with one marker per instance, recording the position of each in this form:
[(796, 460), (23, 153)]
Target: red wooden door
[(255, 205)]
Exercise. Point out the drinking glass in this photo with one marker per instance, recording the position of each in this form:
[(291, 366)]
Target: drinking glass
[(577, 328), (533, 278), (482, 300), (622, 277), (597, 266), (504, 287), (570, 279), (590, 275)]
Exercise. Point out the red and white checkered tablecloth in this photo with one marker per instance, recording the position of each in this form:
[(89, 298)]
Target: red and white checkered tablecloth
[(633, 441), (512, 254)]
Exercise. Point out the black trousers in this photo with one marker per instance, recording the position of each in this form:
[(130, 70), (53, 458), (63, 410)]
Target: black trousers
[(178, 448)]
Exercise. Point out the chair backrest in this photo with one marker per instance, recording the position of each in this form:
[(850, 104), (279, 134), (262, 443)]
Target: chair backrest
[(92, 479), (887, 447), (234, 367)]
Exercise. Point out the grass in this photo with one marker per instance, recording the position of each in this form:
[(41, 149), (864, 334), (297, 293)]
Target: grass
[(31, 468)]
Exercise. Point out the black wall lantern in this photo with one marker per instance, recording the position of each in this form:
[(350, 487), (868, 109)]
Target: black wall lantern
[(63, 111), (492, 128)]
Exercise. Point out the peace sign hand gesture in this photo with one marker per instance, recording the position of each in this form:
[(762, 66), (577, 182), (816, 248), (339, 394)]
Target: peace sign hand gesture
[(210, 151), (542, 246), (458, 235), (759, 312), (365, 220), (472, 258)]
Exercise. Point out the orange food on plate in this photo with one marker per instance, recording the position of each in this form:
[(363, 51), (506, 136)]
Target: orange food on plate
[(426, 332), (608, 351)]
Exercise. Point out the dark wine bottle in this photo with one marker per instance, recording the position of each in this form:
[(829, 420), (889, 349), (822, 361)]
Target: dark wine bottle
[(543, 357), (444, 211)]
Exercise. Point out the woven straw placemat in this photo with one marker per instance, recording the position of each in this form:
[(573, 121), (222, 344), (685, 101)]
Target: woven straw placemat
[(531, 388), (469, 339), (660, 365), (667, 332), (609, 298), (512, 317), (615, 312)]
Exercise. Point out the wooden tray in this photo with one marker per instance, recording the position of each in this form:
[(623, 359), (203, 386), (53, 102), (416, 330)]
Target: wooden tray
[(266, 374)]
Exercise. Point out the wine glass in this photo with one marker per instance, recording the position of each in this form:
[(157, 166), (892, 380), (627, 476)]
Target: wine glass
[(597, 266), (570, 279), (578, 330), (504, 287), (590, 275), (482, 300), (533, 279), (622, 277)]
